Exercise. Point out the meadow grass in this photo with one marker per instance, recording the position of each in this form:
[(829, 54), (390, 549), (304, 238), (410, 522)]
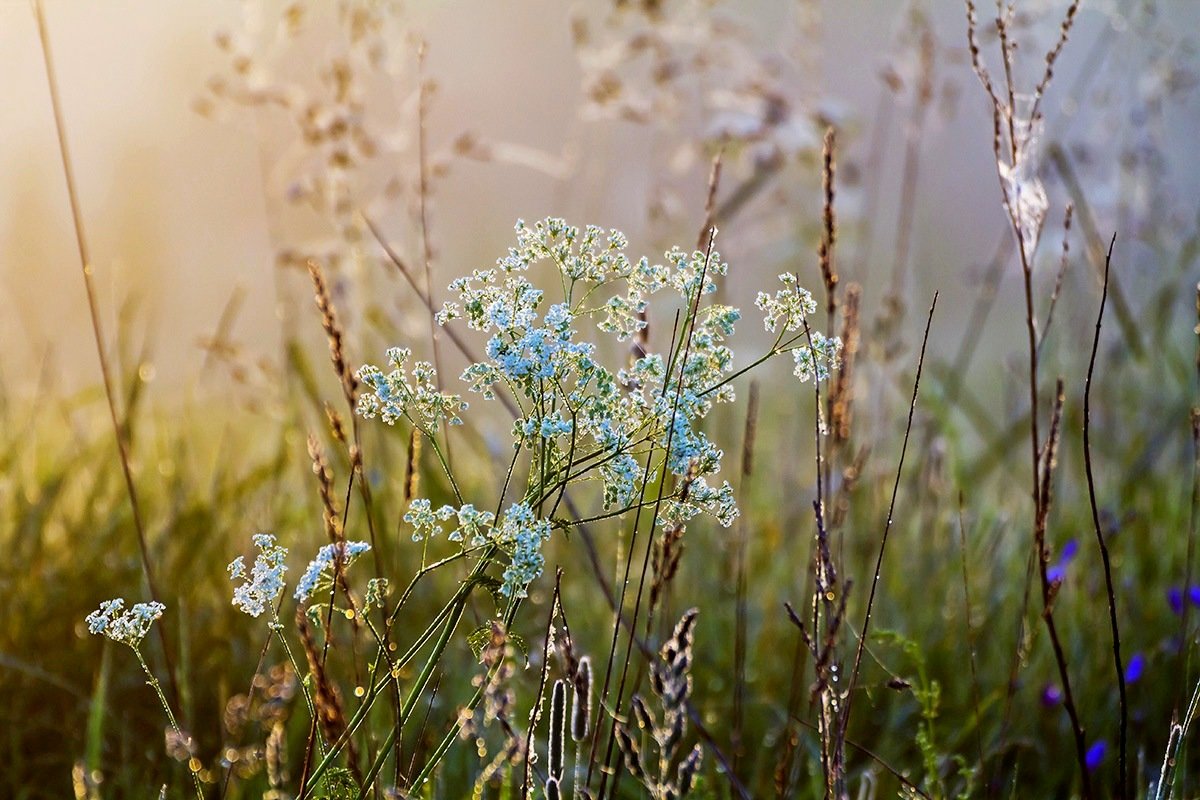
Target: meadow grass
[(1000, 622)]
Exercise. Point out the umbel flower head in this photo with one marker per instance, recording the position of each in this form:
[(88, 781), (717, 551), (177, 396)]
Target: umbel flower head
[(121, 625), (265, 583), (323, 564), (582, 420)]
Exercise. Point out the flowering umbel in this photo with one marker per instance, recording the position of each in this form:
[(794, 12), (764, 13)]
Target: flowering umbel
[(264, 584), (580, 420), (127, 626)]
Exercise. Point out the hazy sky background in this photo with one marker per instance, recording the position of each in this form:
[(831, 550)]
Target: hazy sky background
[(180, 209)]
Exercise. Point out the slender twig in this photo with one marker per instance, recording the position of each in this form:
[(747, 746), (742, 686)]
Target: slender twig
[(1126, 318), (536, 712), (862, 639), (1058, 279), (88, 269), (962, 539), (895, 773), (1091, 484), (710, 200), (739, 558), (1050, 589)]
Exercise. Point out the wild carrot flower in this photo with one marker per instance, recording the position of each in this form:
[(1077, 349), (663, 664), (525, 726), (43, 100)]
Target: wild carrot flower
[(121, 625), (426, 522), (573, 410), (323, 563), (265, 582)]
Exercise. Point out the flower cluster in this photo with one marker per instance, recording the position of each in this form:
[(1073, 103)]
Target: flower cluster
[(377, 592), (580, 419), (521, 535), (265, 583), (121, 625), (818, 359), (394, 396), (321, 566), (788, 310), (426, 522), (790, 306)]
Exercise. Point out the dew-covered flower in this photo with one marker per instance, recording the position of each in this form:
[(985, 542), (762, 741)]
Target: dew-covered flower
[(818, 360), (582, 419), (789, 307), (426, 522), (121, 625), (377, 591), (263, 586), (473, 525), (395, 395), (521, 535), (321, 567)]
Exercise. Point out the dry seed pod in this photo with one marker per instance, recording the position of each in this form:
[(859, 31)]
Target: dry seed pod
[(581, 708), (688, 769), (558, 714), (633, 756), (645, 719)]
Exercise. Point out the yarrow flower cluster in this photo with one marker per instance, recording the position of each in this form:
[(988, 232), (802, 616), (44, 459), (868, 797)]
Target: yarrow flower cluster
[(788, 310), (817, 360), (579, 419), (521, 535), (789, 307), (426, 522), (262, 588), (125, 626), (321, 567), (395, 395)]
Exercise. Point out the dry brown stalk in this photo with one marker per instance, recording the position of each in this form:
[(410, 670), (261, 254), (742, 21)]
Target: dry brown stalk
[(329, 513), (336, 426), (841, 395), (326, 696), (829, 224), (1062, 270), (412, 467), (333, 331), (120, 426)]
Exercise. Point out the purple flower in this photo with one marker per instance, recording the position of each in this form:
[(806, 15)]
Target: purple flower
[(1058, 572), (1175, 599), (1068, 552), (1095, 754), (1051, 695), (1135, 668), (1194, 595)]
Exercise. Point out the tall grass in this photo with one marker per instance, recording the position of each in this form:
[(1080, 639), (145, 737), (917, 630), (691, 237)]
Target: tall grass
[(892, 551)]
